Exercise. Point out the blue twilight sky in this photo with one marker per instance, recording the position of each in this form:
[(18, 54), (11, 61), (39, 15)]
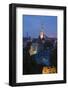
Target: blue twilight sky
[(33, 24)]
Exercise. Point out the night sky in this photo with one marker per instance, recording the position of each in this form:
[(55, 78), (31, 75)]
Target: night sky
[(33, 25)]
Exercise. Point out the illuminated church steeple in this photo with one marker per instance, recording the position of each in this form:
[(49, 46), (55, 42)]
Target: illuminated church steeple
[(42, 32)]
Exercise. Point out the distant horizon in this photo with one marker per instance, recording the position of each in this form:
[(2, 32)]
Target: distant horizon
[(34, 24), (37, 37)]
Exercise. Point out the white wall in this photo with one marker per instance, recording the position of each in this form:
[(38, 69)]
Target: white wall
[(4, 43)]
